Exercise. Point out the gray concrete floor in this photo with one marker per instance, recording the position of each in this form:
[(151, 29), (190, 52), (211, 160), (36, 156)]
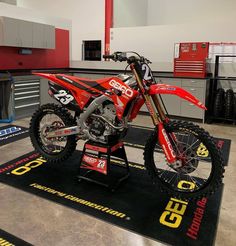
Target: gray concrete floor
[(42, 222)]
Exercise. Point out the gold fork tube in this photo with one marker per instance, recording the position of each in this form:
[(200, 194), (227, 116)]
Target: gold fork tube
[(155, 118), (157, 103)]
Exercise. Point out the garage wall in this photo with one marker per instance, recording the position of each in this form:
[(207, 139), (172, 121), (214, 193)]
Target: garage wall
[(183, 11), (157, 42), (33, 15), (169, 22), (129, 13), (88, 18)]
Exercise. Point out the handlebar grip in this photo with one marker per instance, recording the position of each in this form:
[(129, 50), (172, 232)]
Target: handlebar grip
[(108, 56)]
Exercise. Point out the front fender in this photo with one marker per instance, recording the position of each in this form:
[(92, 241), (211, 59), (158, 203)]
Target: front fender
[(175, 90)]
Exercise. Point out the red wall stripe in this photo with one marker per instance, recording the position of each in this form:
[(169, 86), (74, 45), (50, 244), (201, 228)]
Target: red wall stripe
[(108, 24), (40, 58)]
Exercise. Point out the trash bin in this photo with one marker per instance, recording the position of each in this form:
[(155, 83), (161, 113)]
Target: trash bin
[(6, 97)]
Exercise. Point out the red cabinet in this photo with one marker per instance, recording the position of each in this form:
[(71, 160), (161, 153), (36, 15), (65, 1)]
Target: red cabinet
[(191, 59)]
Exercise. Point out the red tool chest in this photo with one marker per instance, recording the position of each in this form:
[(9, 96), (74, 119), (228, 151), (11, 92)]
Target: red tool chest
[(191, 59)]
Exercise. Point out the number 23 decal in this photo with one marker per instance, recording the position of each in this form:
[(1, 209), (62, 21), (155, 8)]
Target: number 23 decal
[(64, 97), (101, 164), (147, 72)]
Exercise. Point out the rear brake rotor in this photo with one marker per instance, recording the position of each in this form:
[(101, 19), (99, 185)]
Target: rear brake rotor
[(49, 128)]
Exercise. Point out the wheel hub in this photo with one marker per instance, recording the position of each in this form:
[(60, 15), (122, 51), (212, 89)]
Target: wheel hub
[(187, 161), (49, 128)]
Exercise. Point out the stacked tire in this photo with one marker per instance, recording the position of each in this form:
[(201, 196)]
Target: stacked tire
[(229, 104), (224, 104), (219, 103)]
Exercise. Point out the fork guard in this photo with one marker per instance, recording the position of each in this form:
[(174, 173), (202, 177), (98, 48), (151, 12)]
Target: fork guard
[(175, 90)]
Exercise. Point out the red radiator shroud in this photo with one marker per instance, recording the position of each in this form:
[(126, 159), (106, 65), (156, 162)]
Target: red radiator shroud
[(192, 60)]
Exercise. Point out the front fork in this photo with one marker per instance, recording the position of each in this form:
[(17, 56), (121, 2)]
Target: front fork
[(158, 120), (166, 144), (163, 136)]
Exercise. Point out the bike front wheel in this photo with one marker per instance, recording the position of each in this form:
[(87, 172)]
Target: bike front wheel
[(201, 170)]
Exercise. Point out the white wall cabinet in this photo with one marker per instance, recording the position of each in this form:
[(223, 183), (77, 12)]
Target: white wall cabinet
[(9, 32), (43, 36), (38, 35), (177, 106), (20, 33), (25, 33), (49, 36)]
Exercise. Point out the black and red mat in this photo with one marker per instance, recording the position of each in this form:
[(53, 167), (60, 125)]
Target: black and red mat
[(138, 135), (136, 205), (7, 239), (11, 133)]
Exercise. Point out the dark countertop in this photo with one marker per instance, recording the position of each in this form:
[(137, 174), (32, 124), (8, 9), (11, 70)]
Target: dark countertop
[(26, 72)]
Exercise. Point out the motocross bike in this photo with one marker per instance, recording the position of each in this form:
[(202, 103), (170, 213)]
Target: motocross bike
[(181, 158)]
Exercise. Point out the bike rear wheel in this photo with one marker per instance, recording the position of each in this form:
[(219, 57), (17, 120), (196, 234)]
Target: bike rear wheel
[(51, 117), (201, 170)]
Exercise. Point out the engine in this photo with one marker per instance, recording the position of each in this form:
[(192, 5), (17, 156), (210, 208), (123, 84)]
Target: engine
[(103, 126)]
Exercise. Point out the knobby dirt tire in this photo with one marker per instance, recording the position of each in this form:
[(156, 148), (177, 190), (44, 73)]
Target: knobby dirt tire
[(67, 119), (229, 104), (207, 140), (218, 107)]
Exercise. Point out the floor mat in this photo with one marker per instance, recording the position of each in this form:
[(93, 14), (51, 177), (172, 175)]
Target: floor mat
[(135, 206), (138, 135), (11, 133), (8, 239)]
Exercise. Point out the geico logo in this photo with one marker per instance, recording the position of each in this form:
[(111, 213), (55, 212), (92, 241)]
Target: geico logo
[(28, 166), (202, 151), (90, 159), (128, 92), (186, 185), (5, 242), (168, 143), (175, 209), (10, 130)]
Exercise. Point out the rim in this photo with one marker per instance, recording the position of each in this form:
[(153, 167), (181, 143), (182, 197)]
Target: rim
[(51, 122), (195, 170)]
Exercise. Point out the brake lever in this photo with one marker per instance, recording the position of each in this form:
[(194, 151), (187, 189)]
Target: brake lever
[(145, 60), (148, 61)]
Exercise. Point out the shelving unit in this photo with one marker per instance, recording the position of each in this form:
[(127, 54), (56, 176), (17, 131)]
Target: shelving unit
[(213, 90)]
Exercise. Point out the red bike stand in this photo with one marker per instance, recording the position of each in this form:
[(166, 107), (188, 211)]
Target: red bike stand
[(97, 166)]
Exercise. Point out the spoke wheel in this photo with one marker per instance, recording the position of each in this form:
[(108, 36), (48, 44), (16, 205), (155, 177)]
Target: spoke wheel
[(199, 169), (48, 118)]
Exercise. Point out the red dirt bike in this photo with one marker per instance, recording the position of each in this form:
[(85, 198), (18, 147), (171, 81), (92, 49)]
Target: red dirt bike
[(101, 111)]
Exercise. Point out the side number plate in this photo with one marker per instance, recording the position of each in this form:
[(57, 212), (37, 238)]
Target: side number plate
[(64, 97)]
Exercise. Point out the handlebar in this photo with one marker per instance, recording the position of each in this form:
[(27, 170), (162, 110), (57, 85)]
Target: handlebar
[(122, 56), (117, 56), (108, 57)]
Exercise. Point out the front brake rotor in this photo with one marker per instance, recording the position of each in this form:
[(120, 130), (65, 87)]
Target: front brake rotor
[(189, 159)]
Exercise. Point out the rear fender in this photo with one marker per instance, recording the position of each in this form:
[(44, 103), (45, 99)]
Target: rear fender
[(62, 92), (175, 90), (46, 75)]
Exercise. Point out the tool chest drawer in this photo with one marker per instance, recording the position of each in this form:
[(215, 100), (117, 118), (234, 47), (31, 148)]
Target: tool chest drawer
[(26, 96)]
